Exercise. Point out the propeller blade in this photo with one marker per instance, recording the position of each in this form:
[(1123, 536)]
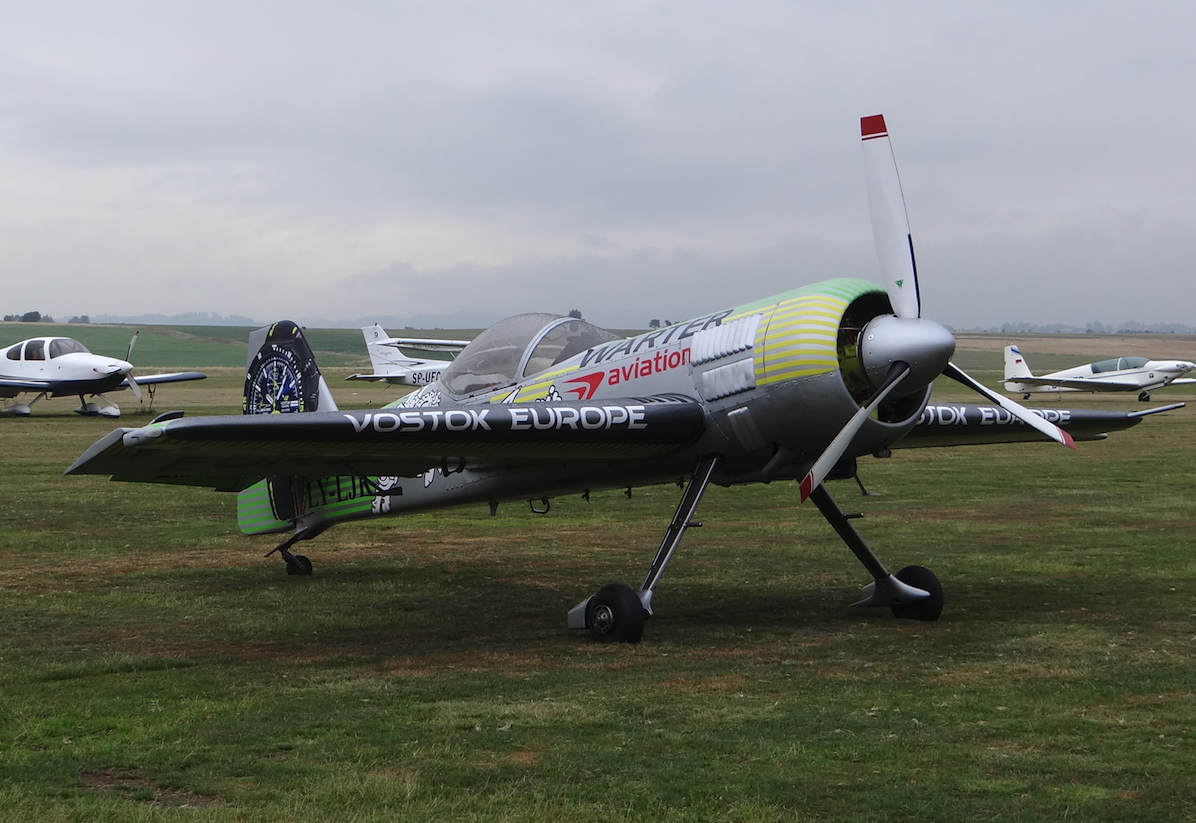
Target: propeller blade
[(133, 385), (890, 223), (827, 460), (129, 353), (1020, 412)]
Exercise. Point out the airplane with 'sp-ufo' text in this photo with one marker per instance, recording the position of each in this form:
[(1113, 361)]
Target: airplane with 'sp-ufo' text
[(1138, 374), (792, 387), (62, 366), (393, 362)]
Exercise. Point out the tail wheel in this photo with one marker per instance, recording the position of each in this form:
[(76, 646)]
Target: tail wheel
[(298, 564), (927, 609), (615, 615)]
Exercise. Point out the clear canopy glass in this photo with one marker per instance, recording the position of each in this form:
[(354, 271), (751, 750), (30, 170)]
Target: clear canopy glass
[(65, 345), (519, 347)]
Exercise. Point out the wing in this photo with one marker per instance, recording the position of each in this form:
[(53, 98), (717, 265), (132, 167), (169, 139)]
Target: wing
[(171, 377), (967, 425), (1081, 384), (232, 452), (425, 344)]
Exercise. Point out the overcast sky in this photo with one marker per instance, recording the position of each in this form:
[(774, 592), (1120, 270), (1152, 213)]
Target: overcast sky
[(634, 160)]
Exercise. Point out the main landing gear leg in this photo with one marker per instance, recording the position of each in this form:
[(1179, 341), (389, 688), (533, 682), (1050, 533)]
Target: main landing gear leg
[(616, 614), (296, 563), (913, 593)]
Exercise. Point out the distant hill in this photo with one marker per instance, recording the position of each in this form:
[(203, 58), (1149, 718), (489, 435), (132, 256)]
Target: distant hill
[(195, 318), (1095, 327), (390, 322)]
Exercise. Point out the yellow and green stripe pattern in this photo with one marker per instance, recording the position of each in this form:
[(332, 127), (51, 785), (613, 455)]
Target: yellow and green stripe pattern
[(800, 337)]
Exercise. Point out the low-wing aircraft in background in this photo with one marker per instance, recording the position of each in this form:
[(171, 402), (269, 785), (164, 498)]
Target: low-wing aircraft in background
[(1116, 374), (61, 366), (790, 387), (394, 364)]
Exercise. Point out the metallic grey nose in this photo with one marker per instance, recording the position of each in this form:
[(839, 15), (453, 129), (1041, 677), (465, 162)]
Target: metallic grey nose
[(923, 345)]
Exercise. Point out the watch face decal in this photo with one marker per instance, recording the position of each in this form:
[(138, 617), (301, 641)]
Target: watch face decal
[(275, 386), (282, 377)]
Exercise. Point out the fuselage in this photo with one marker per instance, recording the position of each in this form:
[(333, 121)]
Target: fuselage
[(58, 366), (774, 380), (777, 379), (1136, 372), (418, 373)]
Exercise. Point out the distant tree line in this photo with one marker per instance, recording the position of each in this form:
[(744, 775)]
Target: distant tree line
[(29, 317)]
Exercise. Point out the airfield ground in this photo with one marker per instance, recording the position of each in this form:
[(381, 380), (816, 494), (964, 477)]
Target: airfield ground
[(151, 659)]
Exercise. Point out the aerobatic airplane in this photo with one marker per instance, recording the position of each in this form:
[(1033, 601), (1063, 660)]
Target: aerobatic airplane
[(61, 366), (1116, 374), (392, 364), (790, 387)]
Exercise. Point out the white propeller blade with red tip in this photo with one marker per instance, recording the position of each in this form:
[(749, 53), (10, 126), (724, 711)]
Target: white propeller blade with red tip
[(827, 460), (1020, 412), (904, 350), (895, 247), (890, 222)]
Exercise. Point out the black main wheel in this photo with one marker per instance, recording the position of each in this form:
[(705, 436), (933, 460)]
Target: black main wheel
[(298, 564), (1144, 396), (928, 608), (615, 615)]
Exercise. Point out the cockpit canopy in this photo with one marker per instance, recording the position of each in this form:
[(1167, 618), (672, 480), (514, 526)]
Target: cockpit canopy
[(36, 349), (519, 347), (1118, 364)]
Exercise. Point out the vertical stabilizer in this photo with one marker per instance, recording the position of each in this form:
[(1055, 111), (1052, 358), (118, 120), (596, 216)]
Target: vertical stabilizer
[(384, 354), (1015, 365), (281, 375)]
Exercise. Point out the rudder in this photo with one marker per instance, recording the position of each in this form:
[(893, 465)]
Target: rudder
[(1015, 365), (281, 377)]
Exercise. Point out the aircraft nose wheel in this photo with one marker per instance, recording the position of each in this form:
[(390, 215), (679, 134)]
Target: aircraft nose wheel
[(615, 615), (927, 609)]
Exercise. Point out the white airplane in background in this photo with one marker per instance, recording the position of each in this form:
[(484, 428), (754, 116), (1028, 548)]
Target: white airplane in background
[(1117, 374), (60, 366), (392, 365)]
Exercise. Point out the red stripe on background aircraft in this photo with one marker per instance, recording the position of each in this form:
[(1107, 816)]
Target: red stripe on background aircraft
[(791, 387)]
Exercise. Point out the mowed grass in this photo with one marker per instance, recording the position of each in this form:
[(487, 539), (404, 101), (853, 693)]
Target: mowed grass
[(155, 666)]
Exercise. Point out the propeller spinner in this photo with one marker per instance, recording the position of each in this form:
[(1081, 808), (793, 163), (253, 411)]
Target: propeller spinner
[(902, 353)]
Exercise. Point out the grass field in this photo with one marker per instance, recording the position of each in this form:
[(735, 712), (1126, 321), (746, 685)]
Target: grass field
[(154, 666)]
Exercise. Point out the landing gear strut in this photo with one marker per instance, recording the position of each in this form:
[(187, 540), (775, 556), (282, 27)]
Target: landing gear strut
[(913, 593), (616, 614), (297, 563)]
